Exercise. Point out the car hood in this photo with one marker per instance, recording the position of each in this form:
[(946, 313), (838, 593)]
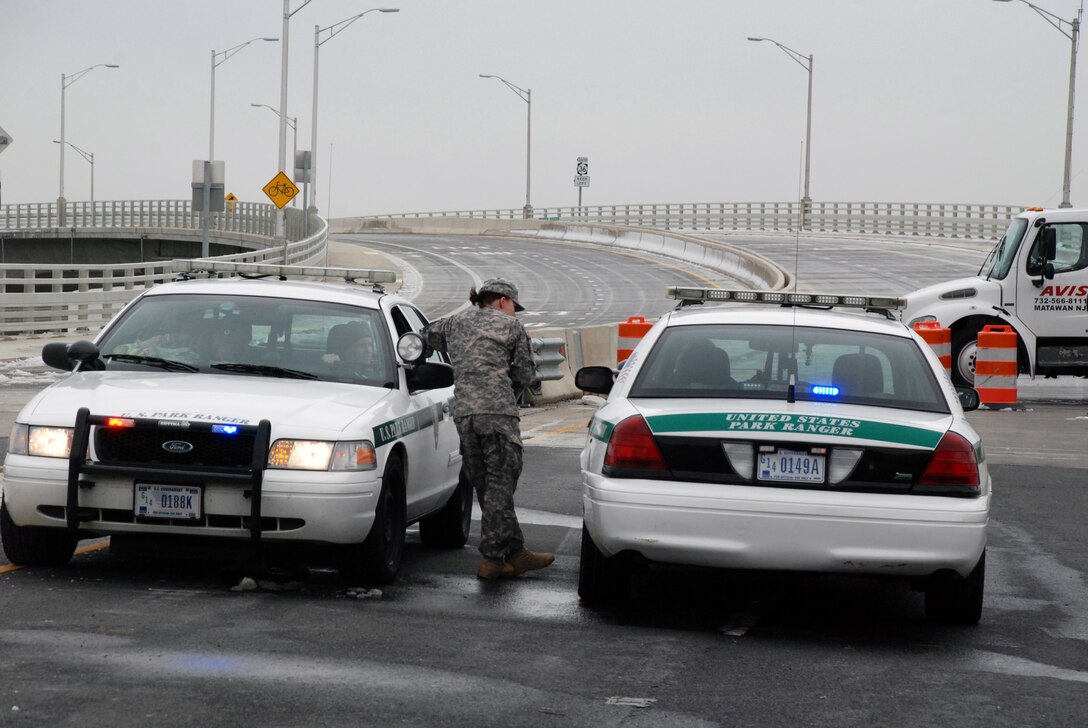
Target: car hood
[(779, 421), (295, 407)]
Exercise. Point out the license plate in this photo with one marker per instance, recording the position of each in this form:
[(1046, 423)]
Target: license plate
[(790, 466), (167, 501)]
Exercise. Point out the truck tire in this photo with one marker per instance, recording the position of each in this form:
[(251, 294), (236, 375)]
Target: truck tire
[(35, 546), (448, 529), (964, 353)]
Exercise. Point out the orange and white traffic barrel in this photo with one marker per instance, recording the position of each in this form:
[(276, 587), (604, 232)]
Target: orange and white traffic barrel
[(630, 334), (995, 366), (939, 339)]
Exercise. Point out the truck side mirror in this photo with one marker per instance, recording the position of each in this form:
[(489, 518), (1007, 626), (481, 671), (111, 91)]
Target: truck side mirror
[(1049, 246), (1048, 271)]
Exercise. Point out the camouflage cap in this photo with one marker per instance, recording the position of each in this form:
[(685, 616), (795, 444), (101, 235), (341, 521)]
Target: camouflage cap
[(503, 288)]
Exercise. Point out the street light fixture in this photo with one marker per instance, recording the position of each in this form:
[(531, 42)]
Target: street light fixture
[(1073, 35), (525, 95), (333, 29), (89, 156), (65, 82), (291, 122), (218, 59), (806, 63)]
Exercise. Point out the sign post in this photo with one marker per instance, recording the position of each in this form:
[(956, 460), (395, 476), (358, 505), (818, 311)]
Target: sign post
[(581, 177), (281, 190)]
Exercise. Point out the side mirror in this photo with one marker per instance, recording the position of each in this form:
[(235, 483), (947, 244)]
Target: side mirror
[(412, 348), (66, 356), (1049, 245), (969, 398), (1048, 271), (429, 375), (598, 380)]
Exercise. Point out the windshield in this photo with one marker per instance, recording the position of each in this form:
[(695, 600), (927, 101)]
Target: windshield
[(999, 261), (755, 362), (252, 336)]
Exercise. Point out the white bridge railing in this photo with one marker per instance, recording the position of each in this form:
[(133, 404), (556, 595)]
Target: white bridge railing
[(936, 220), (68, 297)]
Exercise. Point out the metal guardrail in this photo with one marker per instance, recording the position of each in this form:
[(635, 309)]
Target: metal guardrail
[(254, 218), (937, 220), (41, 298)]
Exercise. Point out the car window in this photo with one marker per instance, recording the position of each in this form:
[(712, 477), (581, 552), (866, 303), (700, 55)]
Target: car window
[(1070, 252), (756, 361), (250, 335)]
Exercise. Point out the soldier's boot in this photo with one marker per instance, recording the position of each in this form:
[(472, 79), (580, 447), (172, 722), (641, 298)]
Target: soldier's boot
[(526, 560), (492, 569)]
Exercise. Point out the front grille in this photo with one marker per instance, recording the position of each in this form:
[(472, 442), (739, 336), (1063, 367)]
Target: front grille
[(133, 445)]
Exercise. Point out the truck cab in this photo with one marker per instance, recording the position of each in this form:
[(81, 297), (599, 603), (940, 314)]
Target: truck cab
[(1036, 281)]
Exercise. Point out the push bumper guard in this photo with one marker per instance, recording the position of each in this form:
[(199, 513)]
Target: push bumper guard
[(80, 465)]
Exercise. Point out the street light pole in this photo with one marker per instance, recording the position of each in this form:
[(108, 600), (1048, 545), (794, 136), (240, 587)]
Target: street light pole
[(281, 149), (293, 123), (65, 82), (218, 59), (525, 95), (1074, 37), (806, 63), (333, 29), (89, 156)]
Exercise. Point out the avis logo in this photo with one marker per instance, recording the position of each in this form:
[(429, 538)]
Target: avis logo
[(1063, 291)]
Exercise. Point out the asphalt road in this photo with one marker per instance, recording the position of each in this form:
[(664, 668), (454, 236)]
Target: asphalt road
[(561, 284), (164, 639)]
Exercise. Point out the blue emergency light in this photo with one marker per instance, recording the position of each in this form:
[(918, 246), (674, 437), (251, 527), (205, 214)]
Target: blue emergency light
[(825, 390), (225, 429)]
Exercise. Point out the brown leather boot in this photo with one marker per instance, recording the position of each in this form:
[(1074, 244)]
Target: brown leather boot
[(526, 560), (492, 569)]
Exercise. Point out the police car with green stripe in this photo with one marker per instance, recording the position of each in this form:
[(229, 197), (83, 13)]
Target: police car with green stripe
[(785, 436), (250, 409)]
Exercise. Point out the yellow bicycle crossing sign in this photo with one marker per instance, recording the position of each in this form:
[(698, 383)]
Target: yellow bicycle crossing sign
[(280, 189)]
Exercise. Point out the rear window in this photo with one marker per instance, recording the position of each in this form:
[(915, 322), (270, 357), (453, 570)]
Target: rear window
[(756, 361)]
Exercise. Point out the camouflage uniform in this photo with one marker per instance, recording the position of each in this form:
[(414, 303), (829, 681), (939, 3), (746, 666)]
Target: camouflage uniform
[(492, 361)]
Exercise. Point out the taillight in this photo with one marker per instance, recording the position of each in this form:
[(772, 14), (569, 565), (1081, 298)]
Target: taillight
[(953, 468), (632, 447)]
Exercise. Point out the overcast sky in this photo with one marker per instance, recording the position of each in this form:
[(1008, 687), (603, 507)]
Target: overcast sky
[(913, 100)]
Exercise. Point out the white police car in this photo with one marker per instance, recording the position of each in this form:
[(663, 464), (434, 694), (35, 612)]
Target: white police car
[(262, 410), (785, 437)]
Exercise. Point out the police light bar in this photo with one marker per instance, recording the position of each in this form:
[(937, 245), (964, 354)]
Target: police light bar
[(351, 275), (692, 295)]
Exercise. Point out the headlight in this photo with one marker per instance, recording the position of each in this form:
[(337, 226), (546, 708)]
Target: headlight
[(322, 455), (919, 320), (43, 442)]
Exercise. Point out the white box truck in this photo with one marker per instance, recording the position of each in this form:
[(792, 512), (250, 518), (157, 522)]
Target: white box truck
[(1035, 280)]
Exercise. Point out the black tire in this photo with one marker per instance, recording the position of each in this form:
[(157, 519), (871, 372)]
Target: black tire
[(35, 546), (377, 559), (964, 353), (954, 600), (449, 528), (601, 580)]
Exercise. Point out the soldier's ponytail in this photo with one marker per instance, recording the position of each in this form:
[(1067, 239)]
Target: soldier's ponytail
[(482, 300)]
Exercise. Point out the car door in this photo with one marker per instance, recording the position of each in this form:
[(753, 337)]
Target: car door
[(1055, 308), (435, 449)]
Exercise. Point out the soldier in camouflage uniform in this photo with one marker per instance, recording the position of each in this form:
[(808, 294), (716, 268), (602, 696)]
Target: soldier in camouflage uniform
[(492, 362)]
